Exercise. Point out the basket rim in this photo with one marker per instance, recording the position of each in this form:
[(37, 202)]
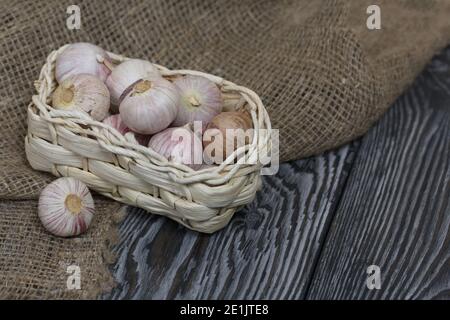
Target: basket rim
[(111, 140)]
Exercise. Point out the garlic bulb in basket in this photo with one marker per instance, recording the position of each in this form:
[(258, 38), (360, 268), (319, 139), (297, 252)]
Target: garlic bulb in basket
[(116, 122), (79, 58), (83, 92), (150, 106), (179, 145), (66, 207), (126, 74), (200, 100), (226, 132)]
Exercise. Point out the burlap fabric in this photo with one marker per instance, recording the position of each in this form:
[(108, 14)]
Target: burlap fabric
[(36, 265), (323, 76)]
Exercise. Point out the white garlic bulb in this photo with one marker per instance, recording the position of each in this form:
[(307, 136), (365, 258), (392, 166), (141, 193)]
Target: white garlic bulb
[(79, 58), (116, 122), (126, 74), (200, 100), (66, 207), (83, 92), (179, 145), (150, 106)]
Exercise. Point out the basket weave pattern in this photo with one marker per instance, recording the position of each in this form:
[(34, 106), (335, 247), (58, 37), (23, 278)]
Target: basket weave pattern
[(70, 143)]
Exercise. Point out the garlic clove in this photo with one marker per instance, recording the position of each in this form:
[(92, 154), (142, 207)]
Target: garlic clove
[(200, 100), (66, 207), (178, 145), (83, 92), (80, 58), (126, 74), (150, 106)]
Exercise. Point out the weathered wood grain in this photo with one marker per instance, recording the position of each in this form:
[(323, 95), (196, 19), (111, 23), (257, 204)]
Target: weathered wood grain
[(269, 249), (395, 210)]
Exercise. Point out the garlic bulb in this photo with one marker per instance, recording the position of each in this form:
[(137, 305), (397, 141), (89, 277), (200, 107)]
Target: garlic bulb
[(116, 122), (66, 207), (81, 58), (150, 106), (200, 100), (225, 133), (179, 145), (83, 92), (126, 74)]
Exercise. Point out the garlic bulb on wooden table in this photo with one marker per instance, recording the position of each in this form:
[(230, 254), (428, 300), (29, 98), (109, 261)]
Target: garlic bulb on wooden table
[(81, 57), (126, 74), (66, 207), (83, 92), (200, 100), (150, 106), (179, 145)]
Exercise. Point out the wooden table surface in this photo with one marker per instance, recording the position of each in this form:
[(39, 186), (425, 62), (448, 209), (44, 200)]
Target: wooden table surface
[(318, 224)]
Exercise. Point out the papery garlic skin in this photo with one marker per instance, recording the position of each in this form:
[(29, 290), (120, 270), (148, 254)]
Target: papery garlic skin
[(150, 106), (80, 58), (178, 145), (200, 100), (116, 122), (226, 132), (126, 74), (83, 92), (66, 207)]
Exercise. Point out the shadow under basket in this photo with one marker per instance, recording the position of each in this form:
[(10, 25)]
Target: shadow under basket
[(72, 144)]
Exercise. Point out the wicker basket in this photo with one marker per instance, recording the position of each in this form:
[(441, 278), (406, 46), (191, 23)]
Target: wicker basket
[(70, 143)]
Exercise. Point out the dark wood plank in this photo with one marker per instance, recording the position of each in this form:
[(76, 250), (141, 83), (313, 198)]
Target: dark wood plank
[(395, 210), (267, 251)]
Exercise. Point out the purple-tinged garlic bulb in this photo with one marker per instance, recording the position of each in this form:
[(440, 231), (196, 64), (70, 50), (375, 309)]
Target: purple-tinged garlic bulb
[(79, 58), (200, 100), (126, 74), (226, 132), (83, 92), (150, 106), (178, 145), (116, 122), (66, 207)]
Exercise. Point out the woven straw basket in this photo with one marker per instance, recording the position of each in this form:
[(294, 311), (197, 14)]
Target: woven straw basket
[(71, 143)]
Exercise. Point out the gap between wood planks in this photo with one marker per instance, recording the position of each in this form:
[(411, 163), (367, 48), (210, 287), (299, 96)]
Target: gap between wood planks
[(355, 145), (394, 210)]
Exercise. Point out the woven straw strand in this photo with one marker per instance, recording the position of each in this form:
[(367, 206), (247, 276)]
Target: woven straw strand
[(70, 143)]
